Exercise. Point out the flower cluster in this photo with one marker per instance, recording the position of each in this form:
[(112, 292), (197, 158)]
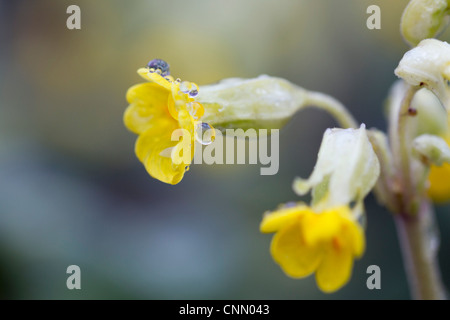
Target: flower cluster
[(404, 166)]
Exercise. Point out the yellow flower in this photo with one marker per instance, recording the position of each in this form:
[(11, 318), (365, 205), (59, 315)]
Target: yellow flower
[(164, 113), (439, 178), (324, 242)]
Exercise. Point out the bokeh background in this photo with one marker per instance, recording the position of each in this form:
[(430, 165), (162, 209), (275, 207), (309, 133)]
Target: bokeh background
[(73, 192)]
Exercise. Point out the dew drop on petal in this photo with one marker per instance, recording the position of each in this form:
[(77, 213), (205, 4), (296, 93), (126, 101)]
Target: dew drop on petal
[(204, 133), (290, 204), (151, 70), (169, 78), (158, 64), (185, 86), (194, 90)]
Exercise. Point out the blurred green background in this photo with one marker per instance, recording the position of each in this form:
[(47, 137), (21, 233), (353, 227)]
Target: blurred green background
[(73, 192)]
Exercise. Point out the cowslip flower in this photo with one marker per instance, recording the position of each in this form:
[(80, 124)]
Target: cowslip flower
[(165, 115), (327, 236), (170, 115), (324, 242)]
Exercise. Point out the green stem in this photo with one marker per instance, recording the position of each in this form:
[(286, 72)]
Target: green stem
[(332, 106), (404, 145), (419, 242)]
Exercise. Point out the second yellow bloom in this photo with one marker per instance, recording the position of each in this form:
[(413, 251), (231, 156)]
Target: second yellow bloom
[(306, 242)]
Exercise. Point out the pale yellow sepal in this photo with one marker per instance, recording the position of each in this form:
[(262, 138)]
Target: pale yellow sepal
[(346, 169)]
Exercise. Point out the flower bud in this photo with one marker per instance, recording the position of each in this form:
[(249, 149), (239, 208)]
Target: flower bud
[(428, 65), (423, 19), (432, 149)]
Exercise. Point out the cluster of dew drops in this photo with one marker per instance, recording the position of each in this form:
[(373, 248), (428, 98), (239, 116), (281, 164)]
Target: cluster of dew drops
[(204, 132)]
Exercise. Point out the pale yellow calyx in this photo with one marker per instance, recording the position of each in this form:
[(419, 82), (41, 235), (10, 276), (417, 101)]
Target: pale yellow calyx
[(262, 102), (346, 169)]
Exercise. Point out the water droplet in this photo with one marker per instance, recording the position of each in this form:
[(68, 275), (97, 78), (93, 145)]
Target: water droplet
[(194, 90), (185, 86), (204, 133), (178, 80), (169, 78), (151, 70), (161, 65), (158, 71), (290, 204)]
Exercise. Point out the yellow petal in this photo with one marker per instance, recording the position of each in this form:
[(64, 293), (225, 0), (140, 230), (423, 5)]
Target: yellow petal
[(155, 78), (159, 130), (290, 251), (354, 236), (322, 227), (274, 221), (161, 167), (145, 92), (151, 149), (185, 121), (335, 268), (439, 179), (137, 117), (147, 104)]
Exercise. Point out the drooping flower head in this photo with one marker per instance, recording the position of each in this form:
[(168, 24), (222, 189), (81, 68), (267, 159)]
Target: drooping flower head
[(327, 236), (165, 115)]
